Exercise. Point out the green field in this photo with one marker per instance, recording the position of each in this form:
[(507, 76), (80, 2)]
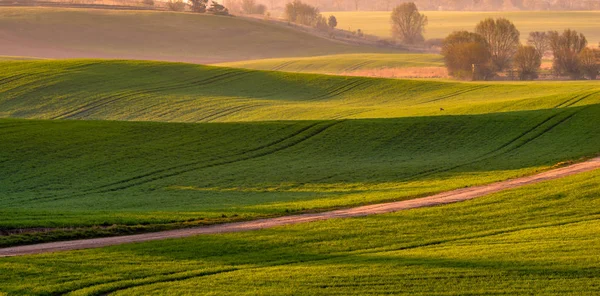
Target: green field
[(306, 145), (76, 33), (442, 23), (342, 64), (540, 240)]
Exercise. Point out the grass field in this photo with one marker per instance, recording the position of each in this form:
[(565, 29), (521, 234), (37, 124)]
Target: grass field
[(305, 145), (541, 240), (72, 33), (442, 23), (348, 64), (150, 91)]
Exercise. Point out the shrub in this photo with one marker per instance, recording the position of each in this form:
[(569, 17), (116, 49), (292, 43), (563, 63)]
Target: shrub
[(332, 22), (467, 56), (217, 9), (198, 6), (176, 5), (298, 12)]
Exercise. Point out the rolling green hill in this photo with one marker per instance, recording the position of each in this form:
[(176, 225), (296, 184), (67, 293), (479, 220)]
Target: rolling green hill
[(306, 145), (442, 23), (151, 91), (342, 64), (76, 33), (540, 239)]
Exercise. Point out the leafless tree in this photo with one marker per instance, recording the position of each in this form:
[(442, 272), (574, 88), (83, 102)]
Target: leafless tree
[(527, 62), (408, 24), (503, 39), (566, 48), (589, 62), (540, 41)]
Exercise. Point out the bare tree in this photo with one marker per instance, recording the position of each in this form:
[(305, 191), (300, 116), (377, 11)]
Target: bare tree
[(408, 24), (527, 62), (356, 2), (503, 39), (540, 41), (566, 48), (589, 62)]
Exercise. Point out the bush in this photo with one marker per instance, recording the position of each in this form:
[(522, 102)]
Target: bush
[(217, 9), (527, 61), (198, 6), (467, 56), (332, 22), (298, 12), (176, 5)]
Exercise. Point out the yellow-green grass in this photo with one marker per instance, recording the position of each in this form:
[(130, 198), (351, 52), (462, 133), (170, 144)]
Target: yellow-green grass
[(442, 23), (152, 91), (258, 161), (68, 33), (537, 240), (340, 64)]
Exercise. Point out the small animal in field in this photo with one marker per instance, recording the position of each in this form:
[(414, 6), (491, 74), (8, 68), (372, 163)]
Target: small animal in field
[(442, 109)]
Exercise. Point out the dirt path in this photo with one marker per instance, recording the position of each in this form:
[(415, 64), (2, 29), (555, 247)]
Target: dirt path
[(438, 199)]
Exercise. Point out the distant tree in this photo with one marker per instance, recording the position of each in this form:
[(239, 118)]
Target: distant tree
[(198, 6), (148, 2), (589, 62), (566, 48), (503, 39), (321, 23), (176, 5), (527, 61), (539, 40), (217, 9), (467, 55), (332, 22), (408, 25), (356, 3), (298, 12)]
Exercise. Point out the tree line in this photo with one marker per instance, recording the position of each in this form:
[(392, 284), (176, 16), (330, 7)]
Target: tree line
[(495, 47), (452, 5)]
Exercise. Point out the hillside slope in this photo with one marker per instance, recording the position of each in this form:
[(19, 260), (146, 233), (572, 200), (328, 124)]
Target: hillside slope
[(151, 91), (351, 141), (76, 33), (347, 64)]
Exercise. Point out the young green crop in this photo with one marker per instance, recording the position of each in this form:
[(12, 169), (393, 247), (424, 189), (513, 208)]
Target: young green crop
[(151, 91), (540, 239), (85, 173), (341, 64)]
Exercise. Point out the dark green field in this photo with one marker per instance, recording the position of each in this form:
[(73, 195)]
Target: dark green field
[(93, 148), (540, 240), (61, 174)]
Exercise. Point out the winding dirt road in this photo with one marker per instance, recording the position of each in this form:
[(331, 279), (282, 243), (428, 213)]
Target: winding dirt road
[(438, 199)]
